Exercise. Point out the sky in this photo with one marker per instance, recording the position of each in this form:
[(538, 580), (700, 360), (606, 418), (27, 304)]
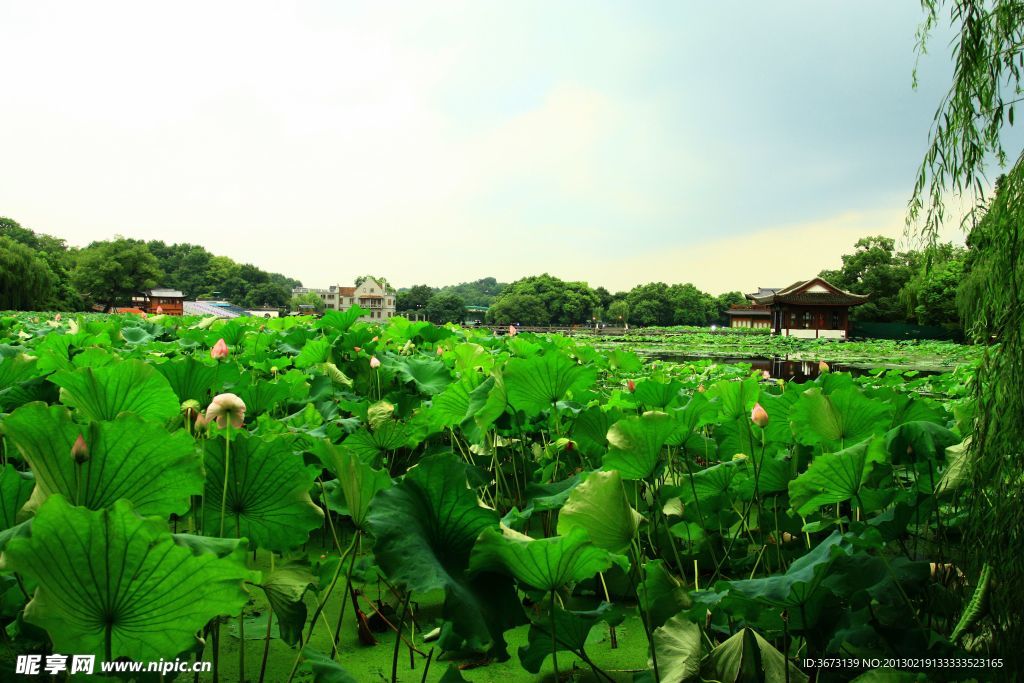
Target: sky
[(729, 144)]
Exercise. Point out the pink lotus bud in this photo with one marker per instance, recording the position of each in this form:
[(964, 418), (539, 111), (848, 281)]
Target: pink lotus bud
[(159, 310), (374, 363), (144, 314), (57, 317), (374, 339), (224, 407), (439, 350), (201, 423), (759, 416), (512, 331), (766, 375), (357, 349), (701, 388), (631, 385), (823, 366), (80, 450), (219, 350)]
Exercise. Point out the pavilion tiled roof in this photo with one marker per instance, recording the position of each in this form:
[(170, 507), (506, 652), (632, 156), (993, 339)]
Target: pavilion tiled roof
[(797, 294)]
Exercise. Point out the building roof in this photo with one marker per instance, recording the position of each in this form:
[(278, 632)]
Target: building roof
[(165, 292), (347, 291), (751, 311), (813, 292)]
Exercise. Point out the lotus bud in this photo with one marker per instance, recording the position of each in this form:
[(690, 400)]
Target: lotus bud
[(144, 314), (274, 370), (439, 350), (701, 388), (224, 407), (631, 385), (759, 416), (357, 349), (570, 445), (374, 363), (766, 375), (788, 537), (512, 331), (190, 408), (823, 366), (159, 310), (375, 339), (57, 317), (219, 350), (200, 424), (80, 451)]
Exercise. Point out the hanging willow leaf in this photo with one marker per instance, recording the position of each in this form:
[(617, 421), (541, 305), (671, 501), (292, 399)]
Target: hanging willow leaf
[(128, 386), (128, 458), (268, 492), (111, 580)]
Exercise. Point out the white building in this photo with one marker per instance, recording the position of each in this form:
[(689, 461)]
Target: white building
[(370, 295)]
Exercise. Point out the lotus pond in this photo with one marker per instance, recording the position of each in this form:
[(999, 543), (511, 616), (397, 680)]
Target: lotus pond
[(330, 500)]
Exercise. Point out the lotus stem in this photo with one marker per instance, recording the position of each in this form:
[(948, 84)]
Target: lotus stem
[(227, 467), (554, 640), (270, 621), (398, 638)]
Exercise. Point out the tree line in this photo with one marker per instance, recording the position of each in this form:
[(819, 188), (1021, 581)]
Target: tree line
[(41, 272)]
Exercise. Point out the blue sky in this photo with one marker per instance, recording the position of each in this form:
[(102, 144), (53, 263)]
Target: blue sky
[(728, 144)]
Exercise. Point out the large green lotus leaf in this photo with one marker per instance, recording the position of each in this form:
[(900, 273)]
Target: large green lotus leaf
[(262, 397), (15, 490), (15, 372), (678, 646), (451, 406), (357, 482), (372, 446), (190, 379), (746, 656), (735, 401), (268, 492), (546, 563), (635, 443), (424, 529), (314, 352), (590, 430), (779, 429), (662, 594), (697, 412), (656, 395), (487, 402), (128, 458), (599, 507), (323, 668), (112, 570), (471, 358), (717, 480), (341, 321), (624, 361), (839, 419), (907, 408), (538, 383), (835, 477), (428, 375), (285, 588), (129, 386), (571, 631), (793, 588), (918, 442)]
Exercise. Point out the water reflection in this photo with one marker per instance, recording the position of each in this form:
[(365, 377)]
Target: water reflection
[(779, 367)]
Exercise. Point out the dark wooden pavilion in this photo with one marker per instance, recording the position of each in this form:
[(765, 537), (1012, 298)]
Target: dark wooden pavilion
[(810, 308)]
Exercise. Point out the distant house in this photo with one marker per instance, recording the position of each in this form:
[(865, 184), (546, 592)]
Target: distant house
[(475, 315), (160, 300), (264, 312), (808, 309), (219, 309), (371, 295)]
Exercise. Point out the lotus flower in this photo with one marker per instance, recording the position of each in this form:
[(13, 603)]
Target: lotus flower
[(375, 339), (631, 385), (80, 450), (823, 366), (159, 310), (759, 416), (439, 350), (144, 314), (374, 363), (219, 350), (57, 317), (765, 375), (701, 388), (226, 406), (512, 330), (201, 423)]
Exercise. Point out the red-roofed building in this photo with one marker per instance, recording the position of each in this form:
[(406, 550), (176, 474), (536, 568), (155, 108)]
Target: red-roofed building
[(809, 309)]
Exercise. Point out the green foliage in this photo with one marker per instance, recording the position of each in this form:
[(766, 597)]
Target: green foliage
[(445, 308), (109, 273), (26, 282)]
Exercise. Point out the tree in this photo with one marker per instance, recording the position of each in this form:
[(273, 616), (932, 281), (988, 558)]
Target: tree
[(528, 309), (54, 252), (413, 299), (876, 269), (480, 292), (445, 308), (110, 272), (383, 282), (26, 281), (930, 296), (723, 302), (618, 312), (309, 299), (966, 137)]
